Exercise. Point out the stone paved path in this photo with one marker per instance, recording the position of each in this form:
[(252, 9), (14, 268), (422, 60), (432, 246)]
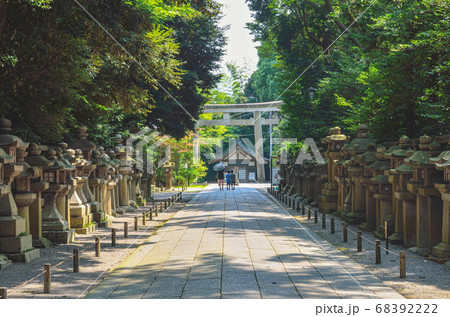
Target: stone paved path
[(238, 244)]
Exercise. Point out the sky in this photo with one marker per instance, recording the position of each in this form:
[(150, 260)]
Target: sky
[(240, 47)]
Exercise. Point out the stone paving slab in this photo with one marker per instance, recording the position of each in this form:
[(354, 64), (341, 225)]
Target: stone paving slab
[(238, 244)]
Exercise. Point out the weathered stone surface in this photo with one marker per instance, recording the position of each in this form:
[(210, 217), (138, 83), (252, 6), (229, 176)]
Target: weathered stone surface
[(15, 244), (11, 226)]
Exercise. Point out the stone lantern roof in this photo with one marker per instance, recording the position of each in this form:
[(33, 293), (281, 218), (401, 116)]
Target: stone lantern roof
[(86, 146), (35, 158), (5, 158), (7, 139), (422, 158), (361, 143)]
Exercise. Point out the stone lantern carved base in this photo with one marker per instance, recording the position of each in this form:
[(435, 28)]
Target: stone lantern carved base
[(328, 199)]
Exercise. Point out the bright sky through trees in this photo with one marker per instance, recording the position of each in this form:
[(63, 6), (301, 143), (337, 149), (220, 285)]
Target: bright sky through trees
[(240, 46)]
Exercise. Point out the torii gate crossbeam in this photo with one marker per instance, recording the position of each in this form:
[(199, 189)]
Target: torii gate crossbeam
[(257, 109)]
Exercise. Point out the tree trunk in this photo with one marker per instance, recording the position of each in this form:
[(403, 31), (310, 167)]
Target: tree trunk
[(3, 11)]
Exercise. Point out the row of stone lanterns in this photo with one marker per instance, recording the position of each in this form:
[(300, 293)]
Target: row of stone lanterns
[(48, 194), (405, 186)]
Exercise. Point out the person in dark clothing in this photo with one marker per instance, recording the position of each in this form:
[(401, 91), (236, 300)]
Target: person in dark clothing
[(228, 177), (233, 180), (220, 178)]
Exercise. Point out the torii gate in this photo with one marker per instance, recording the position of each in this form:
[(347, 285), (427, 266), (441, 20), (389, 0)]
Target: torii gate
[(257, 109)]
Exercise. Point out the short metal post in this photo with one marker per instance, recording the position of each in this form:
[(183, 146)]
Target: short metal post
[(386, 236), (332, 226), (359, 240), (298, 206), (156, 211), (47, 278), (309, 213), (315, 216), (97, 246), (289, 201), (293, 204), (113, 236), (136, 224), (324, 221), (165, 204), (377, 252), (151, 214), (3, 293), (402, 265), (76, 260), (160, 207), (303, 210), (144, 219), (125, 229), (344, 232)]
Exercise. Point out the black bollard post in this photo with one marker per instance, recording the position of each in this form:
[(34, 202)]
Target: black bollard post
[(344, 232), (324, 221), (377, 252), (402, 265), (315, 216), (97, 246), (359, 240), (136, 224), (332, 226), (47, 278), (298, 206), (113, 236), (125, 229), (303, 210), (386, 236), (309, 212), (76, 261)]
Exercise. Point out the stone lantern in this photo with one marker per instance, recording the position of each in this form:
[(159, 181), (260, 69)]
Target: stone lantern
[(15, 243), (81, 218), (168, 173), (23, 196), (54, 226), (125, 171), (355, 149), (382, 193), (367, 159), (113, 185), (442, 162), (398, 175), (428, 198), (334, 141), (35, 159)]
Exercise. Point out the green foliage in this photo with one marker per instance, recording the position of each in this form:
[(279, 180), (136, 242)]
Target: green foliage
[(390, 69), (60, 68)]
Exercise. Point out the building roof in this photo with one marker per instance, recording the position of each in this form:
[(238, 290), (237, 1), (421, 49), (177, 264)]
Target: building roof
[(240, 147)]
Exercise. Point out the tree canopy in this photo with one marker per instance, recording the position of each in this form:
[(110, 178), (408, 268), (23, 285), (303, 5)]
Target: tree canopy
[(60, 68), (384, 63)]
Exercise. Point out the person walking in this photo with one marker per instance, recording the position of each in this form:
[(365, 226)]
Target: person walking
[(233, 180), (228, 177), (220, 178)]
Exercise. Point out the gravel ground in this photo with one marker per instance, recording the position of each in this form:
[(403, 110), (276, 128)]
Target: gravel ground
[(425, 279), (25, 280)]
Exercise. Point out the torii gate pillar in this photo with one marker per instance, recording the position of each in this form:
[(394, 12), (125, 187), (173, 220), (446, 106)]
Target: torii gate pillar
[(259, 147)]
